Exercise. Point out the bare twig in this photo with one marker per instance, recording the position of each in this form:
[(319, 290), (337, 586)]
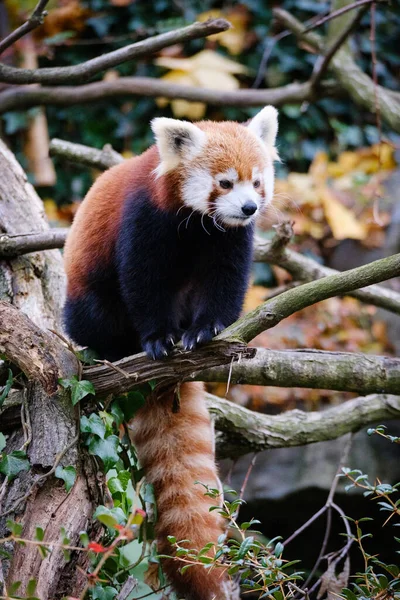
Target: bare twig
[(340, 12), (321, 66), (84, 71), (84, 155), (34, 21)]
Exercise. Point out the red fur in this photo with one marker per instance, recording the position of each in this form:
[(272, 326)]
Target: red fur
[(176, 449)]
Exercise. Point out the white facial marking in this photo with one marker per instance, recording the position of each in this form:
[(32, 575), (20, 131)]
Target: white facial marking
[(229, 175), (229, 206), (269, 182), (197, 189)]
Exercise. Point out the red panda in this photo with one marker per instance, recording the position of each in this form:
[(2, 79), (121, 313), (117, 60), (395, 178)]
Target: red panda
[(160, 252)]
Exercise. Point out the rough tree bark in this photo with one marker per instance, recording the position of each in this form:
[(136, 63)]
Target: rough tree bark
[(35, 285)]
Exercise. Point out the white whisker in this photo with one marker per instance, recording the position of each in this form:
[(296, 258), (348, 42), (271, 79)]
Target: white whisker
[(202, 224)]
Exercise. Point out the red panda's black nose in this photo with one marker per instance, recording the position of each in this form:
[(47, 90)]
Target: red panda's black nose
[(249, 208)]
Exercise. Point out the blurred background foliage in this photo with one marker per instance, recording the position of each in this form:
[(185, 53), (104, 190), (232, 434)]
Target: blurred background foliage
[(75, 31)]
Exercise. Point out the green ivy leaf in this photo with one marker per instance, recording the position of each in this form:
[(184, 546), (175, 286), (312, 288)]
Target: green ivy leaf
[(79, 389), (14, 463), (83, 536), (67, 474), (109, 516), (130, 403), (104, 593), (106, 449), (14, 527), (7, 387), (94, 424), (2, 441), (31, 587), (39, 534)]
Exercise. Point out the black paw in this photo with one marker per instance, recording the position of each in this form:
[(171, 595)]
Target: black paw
[(200, 334), (159, 347)]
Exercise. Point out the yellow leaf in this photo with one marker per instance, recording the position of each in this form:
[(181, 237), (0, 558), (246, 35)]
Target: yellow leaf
[(341, 220), (183, 108), (234, 39), (206, 58), (209, 78)]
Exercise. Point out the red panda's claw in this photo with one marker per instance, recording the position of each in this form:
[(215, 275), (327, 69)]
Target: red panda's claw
[(198, 335)]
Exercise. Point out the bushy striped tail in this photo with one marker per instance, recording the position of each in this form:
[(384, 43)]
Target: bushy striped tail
[(176, 449)]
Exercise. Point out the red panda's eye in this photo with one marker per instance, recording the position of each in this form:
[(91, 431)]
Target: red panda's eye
[(226, 184), (256, 183)]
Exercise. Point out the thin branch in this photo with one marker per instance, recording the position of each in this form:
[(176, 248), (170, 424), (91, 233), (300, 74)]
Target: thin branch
[(348, 74), (34, 21), (340, 12), (86, 70), (315, 369), (321, 66), (244, 431), (84, 155), (23, 97), (17, 245), (272, 312)]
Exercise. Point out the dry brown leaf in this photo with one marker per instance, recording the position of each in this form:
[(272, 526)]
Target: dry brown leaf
[(341, 220), (235, 38)]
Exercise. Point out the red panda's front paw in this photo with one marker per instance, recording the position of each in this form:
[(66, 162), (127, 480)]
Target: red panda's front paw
[(200, 334), (159, 347)]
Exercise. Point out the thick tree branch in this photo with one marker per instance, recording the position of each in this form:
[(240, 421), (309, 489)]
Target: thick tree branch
[(18, 98), (86, 70), (34, 21), (245, 431), (343, 371), (40, 355), (276, 309), (352, 79)]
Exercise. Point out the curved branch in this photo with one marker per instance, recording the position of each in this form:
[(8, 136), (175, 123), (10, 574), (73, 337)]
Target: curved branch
[(342, 371), (270, 313), (245, 431), (18, 98), (86, 70), (306, 269)]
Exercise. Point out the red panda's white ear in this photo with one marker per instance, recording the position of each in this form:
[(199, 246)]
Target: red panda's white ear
[(176, 140), (265, 125)]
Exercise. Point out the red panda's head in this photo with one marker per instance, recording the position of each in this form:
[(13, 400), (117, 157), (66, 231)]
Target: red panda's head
[(224, 169)]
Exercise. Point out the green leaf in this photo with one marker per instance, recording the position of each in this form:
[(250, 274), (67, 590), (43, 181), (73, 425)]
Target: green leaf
[(14, 463), (83, 536), (106, 449), (7, 387), (14, 527), (104, 593), (245, 546), (13, 588), (79, 389), (94, 424), (39, 534), (31, 587), (67, 474), (279, 548), (130, 403), (110, 516), (2, 442)]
